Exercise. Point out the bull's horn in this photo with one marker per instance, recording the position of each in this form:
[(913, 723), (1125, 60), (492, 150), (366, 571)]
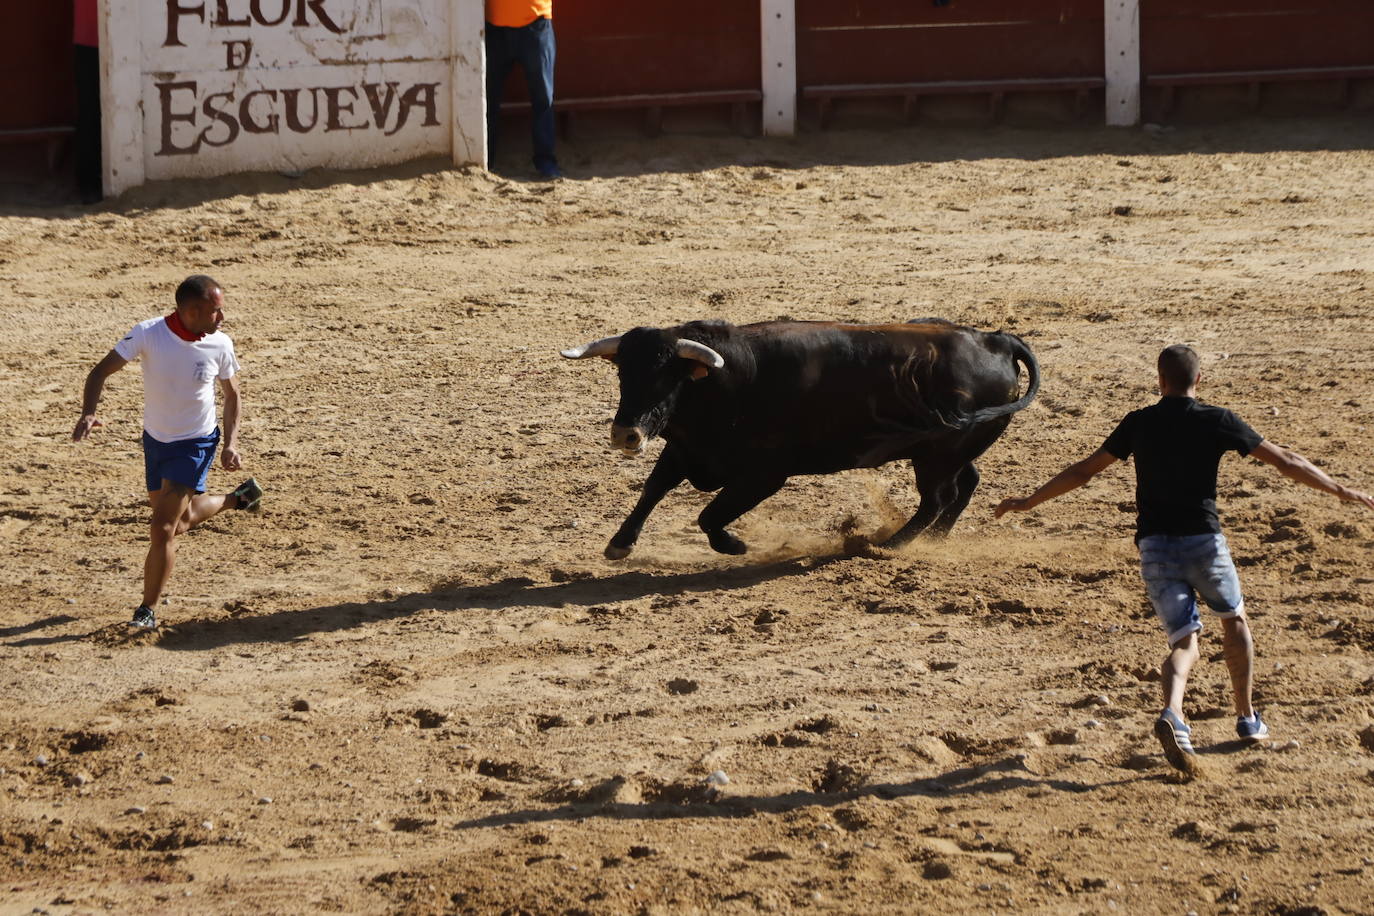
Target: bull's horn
[(690, 349), (606, 346)]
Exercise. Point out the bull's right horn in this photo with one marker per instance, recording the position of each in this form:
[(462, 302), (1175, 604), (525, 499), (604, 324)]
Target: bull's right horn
[(605, 347), (690, 349)]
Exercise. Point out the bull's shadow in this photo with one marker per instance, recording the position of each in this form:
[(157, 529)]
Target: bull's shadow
[(518, 591)]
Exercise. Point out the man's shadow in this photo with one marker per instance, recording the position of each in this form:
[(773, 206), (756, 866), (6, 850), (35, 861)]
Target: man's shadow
[(56, 620), (1010, 773), (515, 591)]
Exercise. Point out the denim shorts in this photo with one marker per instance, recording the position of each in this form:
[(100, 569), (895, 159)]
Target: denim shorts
[(1180, 569), (186, 461)]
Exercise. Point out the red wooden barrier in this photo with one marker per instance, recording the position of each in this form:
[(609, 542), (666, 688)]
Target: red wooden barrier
[(617, 49), (37, 87), (893, 41), (1253, 43), (1181, 36)]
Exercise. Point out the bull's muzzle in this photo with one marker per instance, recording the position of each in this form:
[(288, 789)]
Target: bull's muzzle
[(628, 439)]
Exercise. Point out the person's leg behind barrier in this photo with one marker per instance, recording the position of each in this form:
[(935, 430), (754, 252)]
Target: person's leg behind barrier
[(538, 51), (89, 180), (500, 61)]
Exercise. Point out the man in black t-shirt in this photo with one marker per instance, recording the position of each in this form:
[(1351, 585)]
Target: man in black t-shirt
[(1178, 444)]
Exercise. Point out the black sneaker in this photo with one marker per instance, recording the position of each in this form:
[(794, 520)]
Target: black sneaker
[(144, 619), (249, 494)]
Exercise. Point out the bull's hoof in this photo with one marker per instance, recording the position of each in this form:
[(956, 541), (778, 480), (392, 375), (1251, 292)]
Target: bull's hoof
[(725, 542), (617, 553), (897, 541)]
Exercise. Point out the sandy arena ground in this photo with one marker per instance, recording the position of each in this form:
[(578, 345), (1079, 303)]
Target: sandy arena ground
[(412, 684)]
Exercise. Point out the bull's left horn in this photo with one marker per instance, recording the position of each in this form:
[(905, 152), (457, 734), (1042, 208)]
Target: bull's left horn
[(606, 346), (690, 349)]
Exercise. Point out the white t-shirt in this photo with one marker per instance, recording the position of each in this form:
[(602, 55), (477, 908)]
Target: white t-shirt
[(178, 378)]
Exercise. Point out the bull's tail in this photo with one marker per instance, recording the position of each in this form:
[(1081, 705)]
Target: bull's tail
[(1020, 353)]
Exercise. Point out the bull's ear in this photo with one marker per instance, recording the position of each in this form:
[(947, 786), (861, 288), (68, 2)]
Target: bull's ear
[(699, 372)]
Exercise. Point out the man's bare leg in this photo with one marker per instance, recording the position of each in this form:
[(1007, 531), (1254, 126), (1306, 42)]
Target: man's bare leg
[(1239, 650), (1173, 733), (205, 507), (169, 505), (1177, 664)]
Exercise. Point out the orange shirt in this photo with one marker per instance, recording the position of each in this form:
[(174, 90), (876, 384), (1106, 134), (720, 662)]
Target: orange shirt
[(517, 13)]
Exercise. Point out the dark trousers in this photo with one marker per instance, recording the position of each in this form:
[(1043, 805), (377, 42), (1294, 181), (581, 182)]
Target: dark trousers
[(87, 141), (532, 47)]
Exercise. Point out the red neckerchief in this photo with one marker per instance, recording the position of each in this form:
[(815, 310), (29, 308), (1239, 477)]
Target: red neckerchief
[(179, 329)]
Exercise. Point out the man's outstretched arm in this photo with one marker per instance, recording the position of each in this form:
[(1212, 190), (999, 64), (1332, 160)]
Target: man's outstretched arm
[(1295, 467), (1071, 478)]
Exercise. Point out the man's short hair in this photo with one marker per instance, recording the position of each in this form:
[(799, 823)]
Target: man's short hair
[(195, 288), (1179, 365)]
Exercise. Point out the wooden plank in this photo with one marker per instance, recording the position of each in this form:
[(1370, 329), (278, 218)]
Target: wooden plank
[(29, 134), (884, 41), (869, 14), (936, 87), (1236, 77), (910, 93), (1004, 51), (646, 100)]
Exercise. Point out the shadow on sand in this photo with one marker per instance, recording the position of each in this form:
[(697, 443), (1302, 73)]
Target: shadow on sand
[(619, 157), (1010, 774), (516, 591)]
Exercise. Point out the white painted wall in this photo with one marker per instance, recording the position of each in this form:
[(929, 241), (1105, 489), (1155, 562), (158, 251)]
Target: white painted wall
[(779, 61), (1121, 35), (210, 87), (121, 121), (469, 82)]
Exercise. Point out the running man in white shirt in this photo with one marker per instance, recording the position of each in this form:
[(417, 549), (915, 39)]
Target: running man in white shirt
[(183, 354)]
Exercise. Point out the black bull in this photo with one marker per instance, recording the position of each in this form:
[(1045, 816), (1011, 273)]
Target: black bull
[(744, 408)]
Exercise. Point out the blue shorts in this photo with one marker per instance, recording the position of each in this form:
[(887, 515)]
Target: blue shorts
[(186, 461), (1179, 569)]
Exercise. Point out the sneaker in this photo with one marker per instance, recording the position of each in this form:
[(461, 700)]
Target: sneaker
[(550, 173), (1177, 740), (144, 619), (1252, 728), (249, 494)]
